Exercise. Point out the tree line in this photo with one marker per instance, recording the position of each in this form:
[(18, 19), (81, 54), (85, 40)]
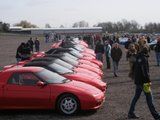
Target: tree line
[(122, 26), (129, 26), (4, 27)]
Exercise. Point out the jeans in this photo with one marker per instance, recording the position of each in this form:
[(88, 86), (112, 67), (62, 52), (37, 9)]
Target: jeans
[(108, 62), (37, 48), (115, 67), (149, 100), (158, 58)]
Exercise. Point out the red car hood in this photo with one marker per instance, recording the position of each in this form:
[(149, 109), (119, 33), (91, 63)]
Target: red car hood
[(56, 45), (88, 63), (83, 43), (88, 67), (90, 51), (86, 87), (88, 55), (79, 77), (88, 72), (87, 79), (38, 54), (99, 63)]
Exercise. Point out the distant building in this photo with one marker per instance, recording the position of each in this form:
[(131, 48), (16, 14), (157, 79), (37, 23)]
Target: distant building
[(62, 31)]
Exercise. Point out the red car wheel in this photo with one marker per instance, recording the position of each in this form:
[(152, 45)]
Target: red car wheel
[(68, 104)]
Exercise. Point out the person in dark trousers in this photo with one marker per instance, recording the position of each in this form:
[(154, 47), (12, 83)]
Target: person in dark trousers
[(126, 45), (20, 51), (107, 49), (116, 54), (143, 83), (26, 52), (157, 51), (37, 44), (99, 51), (30, 43)]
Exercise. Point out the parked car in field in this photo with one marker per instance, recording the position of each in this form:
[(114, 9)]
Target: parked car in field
[(71, 51), (69, 74), (80, 58), (68, 66), (152, 44), (39, 88), (123, 40), (75, 62)]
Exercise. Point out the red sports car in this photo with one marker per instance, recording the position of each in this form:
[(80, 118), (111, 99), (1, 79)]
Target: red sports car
[(38, 88), (88, 54), (67, 65), (70, 74), (73, 61)]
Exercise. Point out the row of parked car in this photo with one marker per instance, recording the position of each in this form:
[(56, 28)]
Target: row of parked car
[(67, 78)]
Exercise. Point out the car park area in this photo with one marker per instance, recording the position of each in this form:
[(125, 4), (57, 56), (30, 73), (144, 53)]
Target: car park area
[(117, 97)]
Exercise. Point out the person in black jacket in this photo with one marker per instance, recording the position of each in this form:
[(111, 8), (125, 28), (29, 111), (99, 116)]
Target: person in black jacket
[(30, 43), (143, 83), (116, 55), (37, 44), (99, 51), (20, 51), (26, 52)]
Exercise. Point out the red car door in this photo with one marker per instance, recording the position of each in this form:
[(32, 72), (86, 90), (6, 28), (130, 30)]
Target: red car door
[(22, 91), (1, 95)]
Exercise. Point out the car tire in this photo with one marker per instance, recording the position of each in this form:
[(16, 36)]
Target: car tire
[(68, 104)]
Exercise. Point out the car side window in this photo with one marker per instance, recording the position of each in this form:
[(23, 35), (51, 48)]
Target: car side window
[(14, 79), (27, 79)]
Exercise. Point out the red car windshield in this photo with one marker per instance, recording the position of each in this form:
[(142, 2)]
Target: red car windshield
[(69, 60), (76, 53), (60, 69), (71, 56), (64, 64), (51, 77)]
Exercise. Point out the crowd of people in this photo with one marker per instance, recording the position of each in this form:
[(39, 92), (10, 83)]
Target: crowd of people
[(137, 54), (25, 50)]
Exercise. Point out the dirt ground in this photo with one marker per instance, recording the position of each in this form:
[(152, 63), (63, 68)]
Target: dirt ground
[(118, 96)]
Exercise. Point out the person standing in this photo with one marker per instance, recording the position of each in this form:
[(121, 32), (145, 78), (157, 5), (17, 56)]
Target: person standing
[(30, 43), (46, 38), (143, 83), (99, 51), (107, 49), (37, 44), (126, 45), (19, 51), (131, 56), (157, 51), (116, 54), (26, 52)]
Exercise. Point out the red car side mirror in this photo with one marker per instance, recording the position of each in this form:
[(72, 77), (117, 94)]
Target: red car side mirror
[(40, 84)]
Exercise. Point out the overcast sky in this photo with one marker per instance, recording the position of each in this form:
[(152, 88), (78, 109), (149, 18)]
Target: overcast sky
[(66, 12)]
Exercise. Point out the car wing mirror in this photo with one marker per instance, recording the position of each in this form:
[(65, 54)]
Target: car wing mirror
[(41, 83)]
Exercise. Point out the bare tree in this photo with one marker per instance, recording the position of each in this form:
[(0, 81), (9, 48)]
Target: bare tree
[(80, 24), (4, 27), (25, 24), (47, 25), (61, 26)]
